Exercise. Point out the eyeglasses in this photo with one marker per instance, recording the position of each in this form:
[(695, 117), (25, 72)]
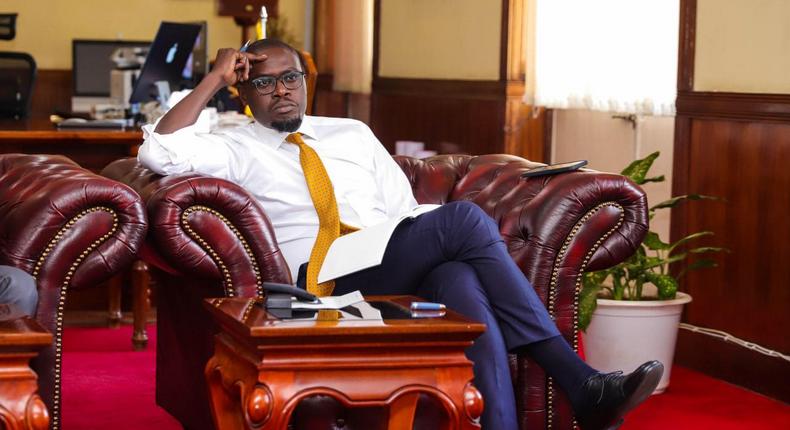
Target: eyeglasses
[(266, 85)]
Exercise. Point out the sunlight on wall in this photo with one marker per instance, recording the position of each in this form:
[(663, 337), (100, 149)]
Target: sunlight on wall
[(45, 28), (743, 46), (440, 39)]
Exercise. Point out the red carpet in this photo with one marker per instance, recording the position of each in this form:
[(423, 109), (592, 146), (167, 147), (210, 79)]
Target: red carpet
[(695, 401), (107, 385)]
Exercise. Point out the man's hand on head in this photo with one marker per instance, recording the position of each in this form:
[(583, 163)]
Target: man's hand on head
[(230, 68), (234, 66)]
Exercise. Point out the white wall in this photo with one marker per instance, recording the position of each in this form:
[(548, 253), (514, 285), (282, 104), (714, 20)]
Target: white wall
[(610, 144)]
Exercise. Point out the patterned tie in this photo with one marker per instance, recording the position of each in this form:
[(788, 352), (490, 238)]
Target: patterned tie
[(329, 226)]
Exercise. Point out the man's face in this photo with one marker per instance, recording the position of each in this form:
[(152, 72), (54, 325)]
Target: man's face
[(284, 108)]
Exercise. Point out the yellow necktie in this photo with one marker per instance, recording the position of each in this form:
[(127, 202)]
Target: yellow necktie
[(329, 226)]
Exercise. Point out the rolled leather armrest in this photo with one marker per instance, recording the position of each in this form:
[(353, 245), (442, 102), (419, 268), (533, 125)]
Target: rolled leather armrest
[(69, 228), (64, 224), (205, 226)]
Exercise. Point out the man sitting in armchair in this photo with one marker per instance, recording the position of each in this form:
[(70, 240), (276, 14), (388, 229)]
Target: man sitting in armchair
[(319, 178)]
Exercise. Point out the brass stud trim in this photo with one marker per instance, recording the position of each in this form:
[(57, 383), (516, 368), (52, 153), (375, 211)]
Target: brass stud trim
[(553, 285), (55, 424), (227, 282)]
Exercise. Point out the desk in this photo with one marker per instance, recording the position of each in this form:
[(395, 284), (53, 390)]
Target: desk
[(92, 149), (263, 365), (20, 405)]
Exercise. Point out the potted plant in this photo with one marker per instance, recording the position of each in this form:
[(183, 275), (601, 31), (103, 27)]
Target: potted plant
[(630, 313)]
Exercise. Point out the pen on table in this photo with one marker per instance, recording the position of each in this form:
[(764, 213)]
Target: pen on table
[(427, 306)]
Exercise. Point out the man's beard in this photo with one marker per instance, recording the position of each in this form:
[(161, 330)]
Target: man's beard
[(289, 125)]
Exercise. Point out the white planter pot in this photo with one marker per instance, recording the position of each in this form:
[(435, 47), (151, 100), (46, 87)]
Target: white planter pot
[(624, 334)]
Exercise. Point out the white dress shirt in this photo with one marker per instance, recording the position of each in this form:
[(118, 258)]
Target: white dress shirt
[(369, 186)]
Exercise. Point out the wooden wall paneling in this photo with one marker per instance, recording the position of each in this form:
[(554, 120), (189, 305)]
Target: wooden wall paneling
[(52, 91), (734, 146), (747, 295), (528, 131), (745, 164), (329, 102), (324, 36), (687, 44), (449, 116), (736, 106), (680, 176)]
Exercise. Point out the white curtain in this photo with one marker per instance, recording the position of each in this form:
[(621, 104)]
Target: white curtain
[(353, 47), (608, 55)]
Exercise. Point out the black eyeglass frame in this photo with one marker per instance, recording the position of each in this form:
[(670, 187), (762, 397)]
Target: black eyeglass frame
[(277, 79)]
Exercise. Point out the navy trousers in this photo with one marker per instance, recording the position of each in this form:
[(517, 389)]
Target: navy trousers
[(456, 256), (17, 287)]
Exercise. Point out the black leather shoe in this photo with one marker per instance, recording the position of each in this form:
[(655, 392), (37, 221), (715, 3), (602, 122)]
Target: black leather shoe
[(609, 396)]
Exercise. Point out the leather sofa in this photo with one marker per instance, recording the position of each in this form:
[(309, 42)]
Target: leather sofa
[(69, 228), (209, 238)]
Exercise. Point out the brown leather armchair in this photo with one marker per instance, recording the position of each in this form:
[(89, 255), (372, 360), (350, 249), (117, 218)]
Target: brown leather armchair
[(69, 228), (209, 238)]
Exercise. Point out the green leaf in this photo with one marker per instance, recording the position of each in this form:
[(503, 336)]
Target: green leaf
[(674, 201), (618, 286), (652, 241), (587, 305), (689, 238), (594, 279), (704, 249), (699, 264), (637, 170), (667, 285), (654, 179)]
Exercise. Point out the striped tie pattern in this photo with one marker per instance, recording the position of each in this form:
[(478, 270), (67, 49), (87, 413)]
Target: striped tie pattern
[(329, 226)]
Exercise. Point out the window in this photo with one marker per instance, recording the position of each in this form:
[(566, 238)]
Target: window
[(607, 55)]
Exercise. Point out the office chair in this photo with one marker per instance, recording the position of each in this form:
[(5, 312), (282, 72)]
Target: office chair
[(17, 76)]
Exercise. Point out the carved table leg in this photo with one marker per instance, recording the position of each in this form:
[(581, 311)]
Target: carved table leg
[(402, 411), (21, 408), (141, 304)]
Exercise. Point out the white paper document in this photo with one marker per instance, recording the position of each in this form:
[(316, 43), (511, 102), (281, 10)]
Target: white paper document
[(331, 302), (368, 312), (363, 248)]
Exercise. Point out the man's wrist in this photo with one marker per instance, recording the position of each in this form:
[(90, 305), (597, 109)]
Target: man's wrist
[(215, 81)]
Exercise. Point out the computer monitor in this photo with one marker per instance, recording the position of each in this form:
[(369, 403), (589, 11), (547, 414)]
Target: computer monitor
[(197, 64), (91, 64), (166, 59)]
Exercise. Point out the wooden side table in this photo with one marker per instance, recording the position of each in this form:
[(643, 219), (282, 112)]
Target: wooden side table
[(264, 365), (20, 405)]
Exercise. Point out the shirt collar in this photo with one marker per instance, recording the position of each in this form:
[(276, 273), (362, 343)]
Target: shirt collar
[(276, 138)]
